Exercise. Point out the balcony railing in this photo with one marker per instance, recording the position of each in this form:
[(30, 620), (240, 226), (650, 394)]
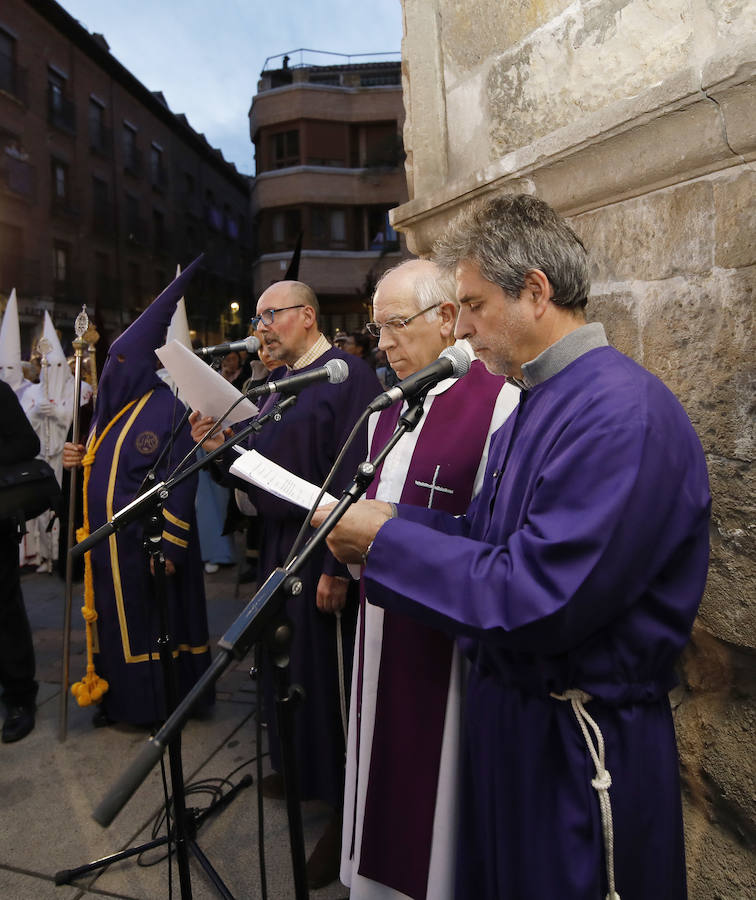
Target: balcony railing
[(18, 177), (13, 78), (61, 112)]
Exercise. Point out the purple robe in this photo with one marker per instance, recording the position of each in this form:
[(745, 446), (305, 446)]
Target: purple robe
[(306, 441), (127, 623), (580, 565), (400, 804)]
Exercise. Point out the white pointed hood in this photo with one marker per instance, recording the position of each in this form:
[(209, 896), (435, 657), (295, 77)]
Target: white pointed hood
[(10, 345), (57, 373)]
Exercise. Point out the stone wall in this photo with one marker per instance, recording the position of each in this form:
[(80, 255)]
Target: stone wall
[(634, 118)]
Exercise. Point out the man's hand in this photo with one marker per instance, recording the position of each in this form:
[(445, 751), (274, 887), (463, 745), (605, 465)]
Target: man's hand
[(332, 593), (200, 427), (355, 530), (72, 455), (44, 407)]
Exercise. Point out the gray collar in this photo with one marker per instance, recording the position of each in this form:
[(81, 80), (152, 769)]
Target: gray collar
[(559, 355)]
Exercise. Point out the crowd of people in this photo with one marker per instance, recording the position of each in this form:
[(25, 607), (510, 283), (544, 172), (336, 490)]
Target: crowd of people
[(486, 641)]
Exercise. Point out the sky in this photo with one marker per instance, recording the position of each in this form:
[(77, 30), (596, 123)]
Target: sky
[(206, 55)]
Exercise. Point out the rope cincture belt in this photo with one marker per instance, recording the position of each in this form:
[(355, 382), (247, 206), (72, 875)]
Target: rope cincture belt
[(603, 780)]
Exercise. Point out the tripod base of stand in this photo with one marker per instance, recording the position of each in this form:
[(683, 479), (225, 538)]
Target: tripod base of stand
[(194, 819)]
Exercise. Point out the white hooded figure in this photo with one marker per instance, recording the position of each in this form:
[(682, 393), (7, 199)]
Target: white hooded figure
[(50, 410), (10, 352)]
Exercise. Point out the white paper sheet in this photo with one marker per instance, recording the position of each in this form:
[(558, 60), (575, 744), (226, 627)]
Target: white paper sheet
[(262, 472), (201, 387)]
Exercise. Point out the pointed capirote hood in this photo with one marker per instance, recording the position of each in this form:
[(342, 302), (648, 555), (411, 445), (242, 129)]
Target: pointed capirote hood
[(57, 375), (130, 369), (10, 345)]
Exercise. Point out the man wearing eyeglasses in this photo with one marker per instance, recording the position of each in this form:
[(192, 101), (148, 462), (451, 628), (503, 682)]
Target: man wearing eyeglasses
[(306, 441), (571, 582), (400, 801)]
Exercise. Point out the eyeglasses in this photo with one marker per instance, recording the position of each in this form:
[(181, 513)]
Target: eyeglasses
[(375, 328), (269, 315)]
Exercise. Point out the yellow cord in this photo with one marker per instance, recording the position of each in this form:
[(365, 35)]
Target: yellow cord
[(91, 688)]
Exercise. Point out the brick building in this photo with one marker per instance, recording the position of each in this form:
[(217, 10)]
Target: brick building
[(103, 190), (329, 166)]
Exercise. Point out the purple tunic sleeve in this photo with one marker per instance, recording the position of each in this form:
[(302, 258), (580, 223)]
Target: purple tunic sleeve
[(578, 550)]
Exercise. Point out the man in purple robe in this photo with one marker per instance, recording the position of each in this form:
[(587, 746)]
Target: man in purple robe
[(306, 441), (135, 415), (572, 581), (400, 801)]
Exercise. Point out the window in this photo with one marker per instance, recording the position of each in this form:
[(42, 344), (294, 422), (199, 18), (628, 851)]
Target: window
[(382, 145), (61, 112), (12, 78), (158, 230), (102, 220), (61, 264), (60, 180), (327, 143), (285, 149), (286, 227), (56, 86), (135, 227), (157, 169), (381, 236), (98, 134), (61, 189), (328, 227), (131, 158), (213, 212)]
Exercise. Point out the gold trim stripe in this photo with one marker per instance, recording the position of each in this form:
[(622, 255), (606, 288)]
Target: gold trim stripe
[(176, 521), (174, 540)]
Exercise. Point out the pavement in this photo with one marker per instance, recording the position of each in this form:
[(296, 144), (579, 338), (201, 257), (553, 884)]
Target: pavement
[(49, 787)]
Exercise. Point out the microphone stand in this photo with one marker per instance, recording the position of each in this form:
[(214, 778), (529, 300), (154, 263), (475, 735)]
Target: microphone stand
[(148, 506), (260, 620)]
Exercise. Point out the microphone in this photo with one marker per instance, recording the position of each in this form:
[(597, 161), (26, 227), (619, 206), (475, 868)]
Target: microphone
[(452, 363), (335, 371), (250, 344)]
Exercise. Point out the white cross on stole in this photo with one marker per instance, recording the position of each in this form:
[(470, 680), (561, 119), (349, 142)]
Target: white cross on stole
[(433, 487)]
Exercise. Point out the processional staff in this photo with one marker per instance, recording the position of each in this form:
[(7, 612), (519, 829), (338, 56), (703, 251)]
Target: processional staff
[(79, 344), (43, 348)]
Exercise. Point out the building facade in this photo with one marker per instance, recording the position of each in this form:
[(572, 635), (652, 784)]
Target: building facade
[(103, 190), (329, 155), (636, 120)]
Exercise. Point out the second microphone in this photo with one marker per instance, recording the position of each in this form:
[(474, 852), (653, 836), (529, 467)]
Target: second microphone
[(335, 371)]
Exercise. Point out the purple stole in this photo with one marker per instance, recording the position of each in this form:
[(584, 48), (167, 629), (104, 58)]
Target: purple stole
[(415, 667)]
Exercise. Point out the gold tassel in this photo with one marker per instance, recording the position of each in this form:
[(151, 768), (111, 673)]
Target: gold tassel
[(91, 688)]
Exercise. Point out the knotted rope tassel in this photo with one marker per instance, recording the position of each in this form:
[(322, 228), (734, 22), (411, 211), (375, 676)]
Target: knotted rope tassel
[(91, 688), (603, 780)]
